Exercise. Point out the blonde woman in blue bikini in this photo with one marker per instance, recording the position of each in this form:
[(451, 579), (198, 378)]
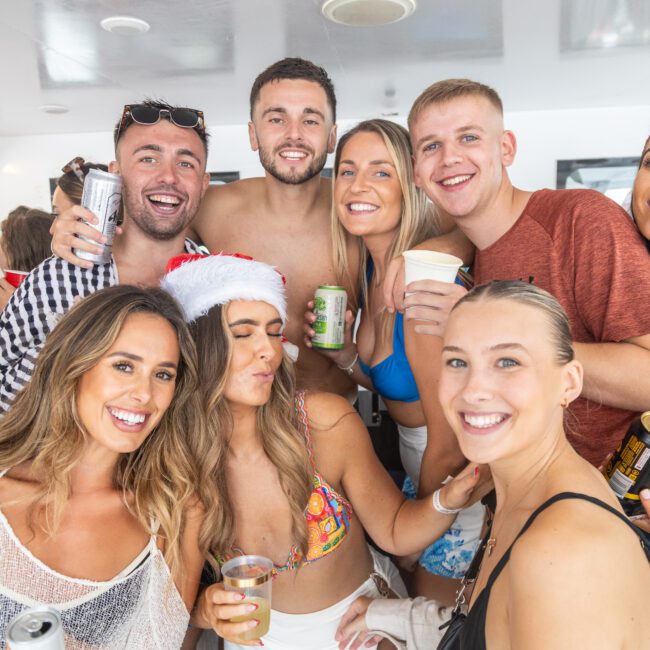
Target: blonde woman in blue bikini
[(378, 211)]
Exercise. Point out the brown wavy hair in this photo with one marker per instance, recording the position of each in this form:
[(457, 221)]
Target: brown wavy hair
[(158, 479), (26, 237), (72, 185), (277, 425)]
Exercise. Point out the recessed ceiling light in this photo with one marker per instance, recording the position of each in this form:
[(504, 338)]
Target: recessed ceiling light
[(54, 109), (125, 25), (365, 13)]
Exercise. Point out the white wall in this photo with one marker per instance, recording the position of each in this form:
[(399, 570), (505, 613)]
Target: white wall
[(27, 162)]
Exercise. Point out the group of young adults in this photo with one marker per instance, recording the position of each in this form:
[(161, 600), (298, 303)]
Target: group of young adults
[(148, 431)]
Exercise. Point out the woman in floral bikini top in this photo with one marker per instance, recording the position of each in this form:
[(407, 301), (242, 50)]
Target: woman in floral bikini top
[(286, 468), (328, 513)]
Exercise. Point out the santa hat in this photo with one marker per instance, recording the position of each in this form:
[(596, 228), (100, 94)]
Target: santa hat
[(199, 282)]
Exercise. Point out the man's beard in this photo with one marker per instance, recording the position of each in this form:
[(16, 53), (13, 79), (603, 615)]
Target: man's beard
[(156, 227), (294, 177)]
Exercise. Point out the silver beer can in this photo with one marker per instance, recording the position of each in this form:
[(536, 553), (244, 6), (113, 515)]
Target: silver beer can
[(38, 628), (330, 303), (102, 195)]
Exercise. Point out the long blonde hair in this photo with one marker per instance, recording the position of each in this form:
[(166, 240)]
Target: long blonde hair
[(43, 426), (418, 220), (277, 425)]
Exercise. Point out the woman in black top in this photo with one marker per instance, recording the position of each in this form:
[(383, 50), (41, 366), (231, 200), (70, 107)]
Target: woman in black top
[(577, 576)]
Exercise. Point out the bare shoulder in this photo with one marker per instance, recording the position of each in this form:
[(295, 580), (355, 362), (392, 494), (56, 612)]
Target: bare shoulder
[(339, 438), (234, 193), (571, 538), (326, 410), (220, 200), (577, 564), (17, 483), (336, 424)]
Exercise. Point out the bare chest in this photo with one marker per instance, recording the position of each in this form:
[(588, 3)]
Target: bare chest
[(301, 250), (262, 514), (374, 341), (90, 543)]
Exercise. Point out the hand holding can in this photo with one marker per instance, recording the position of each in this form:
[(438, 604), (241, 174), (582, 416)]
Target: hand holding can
[(102, 195), (330, 303)]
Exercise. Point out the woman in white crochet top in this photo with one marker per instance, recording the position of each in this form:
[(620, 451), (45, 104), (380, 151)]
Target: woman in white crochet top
[(98, 513)]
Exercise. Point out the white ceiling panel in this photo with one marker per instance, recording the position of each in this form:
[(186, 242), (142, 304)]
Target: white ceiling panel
[(205, 53)]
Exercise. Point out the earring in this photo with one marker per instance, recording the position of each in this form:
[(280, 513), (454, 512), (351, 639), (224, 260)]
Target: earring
[(564, 403)]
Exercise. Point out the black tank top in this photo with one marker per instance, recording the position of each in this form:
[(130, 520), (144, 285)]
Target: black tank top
[(472, 636)]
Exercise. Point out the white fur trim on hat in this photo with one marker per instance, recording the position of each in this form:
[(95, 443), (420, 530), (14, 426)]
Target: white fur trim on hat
[(199, 285)]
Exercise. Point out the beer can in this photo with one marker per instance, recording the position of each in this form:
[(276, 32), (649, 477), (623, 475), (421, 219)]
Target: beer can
[(102, 195), (628, 471), (38, 628), (329, 307)]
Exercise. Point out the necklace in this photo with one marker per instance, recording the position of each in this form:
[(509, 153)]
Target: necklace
[(492, 539), (543, 469)]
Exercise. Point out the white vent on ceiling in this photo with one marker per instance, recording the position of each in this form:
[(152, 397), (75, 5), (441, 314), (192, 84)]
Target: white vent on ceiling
[(366, 13), (54, 109), (125, 25)]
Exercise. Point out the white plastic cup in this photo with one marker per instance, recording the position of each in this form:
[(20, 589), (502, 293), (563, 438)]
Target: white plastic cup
[(430, 265)]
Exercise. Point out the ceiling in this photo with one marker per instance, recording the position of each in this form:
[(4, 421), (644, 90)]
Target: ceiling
[(548, 54)]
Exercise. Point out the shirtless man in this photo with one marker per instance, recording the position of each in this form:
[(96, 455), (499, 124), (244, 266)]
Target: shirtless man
[(282, 218)]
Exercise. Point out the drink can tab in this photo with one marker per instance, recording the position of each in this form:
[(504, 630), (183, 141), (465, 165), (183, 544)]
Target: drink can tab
[(37, 628)]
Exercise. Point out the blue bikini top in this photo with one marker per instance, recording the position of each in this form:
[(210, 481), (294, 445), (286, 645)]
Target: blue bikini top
[(392, 377)]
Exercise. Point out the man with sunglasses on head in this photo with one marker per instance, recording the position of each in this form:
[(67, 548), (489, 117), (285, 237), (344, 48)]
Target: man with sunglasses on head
[(283, 218), (161, 154)]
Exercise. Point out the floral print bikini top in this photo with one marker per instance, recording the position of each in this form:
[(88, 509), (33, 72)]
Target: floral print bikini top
[(328, 513)]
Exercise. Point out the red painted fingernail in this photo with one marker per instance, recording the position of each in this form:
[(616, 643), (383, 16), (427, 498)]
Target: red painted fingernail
[(476, 471)]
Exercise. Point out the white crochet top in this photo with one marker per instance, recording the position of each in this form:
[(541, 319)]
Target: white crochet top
[(140, 608)]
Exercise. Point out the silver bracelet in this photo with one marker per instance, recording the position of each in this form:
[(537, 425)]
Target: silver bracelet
[(350, 368), (438, 507)]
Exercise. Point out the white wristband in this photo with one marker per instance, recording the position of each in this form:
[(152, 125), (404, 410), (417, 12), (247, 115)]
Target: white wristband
[(438, 507), (350, 368)]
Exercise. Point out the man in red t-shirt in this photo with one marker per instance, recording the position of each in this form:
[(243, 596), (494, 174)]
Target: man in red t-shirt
[(576, 244)]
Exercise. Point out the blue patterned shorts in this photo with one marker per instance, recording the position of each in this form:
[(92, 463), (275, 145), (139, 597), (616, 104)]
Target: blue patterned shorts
[(451, 555)]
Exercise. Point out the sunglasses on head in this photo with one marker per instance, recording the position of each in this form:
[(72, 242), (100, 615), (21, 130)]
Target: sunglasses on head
[(74, 166), (187, 118)]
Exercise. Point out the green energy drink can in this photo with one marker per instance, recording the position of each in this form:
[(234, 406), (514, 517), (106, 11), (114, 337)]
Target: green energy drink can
[(329, 307), (628, 471)]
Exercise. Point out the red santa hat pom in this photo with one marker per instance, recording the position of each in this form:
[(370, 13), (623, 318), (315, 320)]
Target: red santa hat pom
[(199, 282)]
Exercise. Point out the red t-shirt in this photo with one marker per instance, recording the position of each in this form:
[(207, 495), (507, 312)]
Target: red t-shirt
[(584, 249)]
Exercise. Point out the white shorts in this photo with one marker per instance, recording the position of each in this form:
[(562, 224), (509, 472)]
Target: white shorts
[(315, 631), (412, 443)]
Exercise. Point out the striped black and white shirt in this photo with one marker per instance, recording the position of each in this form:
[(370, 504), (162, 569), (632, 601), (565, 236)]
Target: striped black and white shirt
[(47, 293)]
